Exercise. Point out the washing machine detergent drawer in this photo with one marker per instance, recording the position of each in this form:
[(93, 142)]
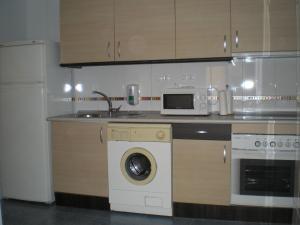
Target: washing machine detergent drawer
[(141, 202), (162, 200)]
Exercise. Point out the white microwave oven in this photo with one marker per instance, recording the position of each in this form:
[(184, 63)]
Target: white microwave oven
[(184, 101)]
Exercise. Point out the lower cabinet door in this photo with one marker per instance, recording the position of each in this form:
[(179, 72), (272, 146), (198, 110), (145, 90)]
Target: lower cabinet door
[(201, 171), (80, 158)]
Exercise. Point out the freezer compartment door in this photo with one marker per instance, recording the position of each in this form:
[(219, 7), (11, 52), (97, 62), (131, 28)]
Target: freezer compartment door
[(25, 155), (22, 64)]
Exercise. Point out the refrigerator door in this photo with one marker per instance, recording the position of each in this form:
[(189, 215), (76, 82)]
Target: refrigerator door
[(22, 63), (0, 214), (25, 155), (0, 207)]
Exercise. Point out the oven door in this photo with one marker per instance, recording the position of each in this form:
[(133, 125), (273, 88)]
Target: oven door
[(261, 177), (262, 182)]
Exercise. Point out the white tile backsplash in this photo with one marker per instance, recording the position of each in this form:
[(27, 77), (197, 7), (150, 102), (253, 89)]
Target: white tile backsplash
[(164, 75), (285, 71), (270, 77), (286, 82), (261, 72), (235, 80)]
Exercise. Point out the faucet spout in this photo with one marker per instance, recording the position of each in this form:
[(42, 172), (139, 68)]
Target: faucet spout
[(110, 109)]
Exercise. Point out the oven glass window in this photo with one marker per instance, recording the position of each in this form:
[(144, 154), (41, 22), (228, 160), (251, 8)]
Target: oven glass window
[(267, 177), (178, 101)]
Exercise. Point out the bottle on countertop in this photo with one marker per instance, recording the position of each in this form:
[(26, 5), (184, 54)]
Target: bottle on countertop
[(222, 103), (133, 94), (229, 100)]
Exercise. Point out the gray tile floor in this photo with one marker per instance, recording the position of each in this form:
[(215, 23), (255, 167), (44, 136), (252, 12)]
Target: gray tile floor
[(23, 213)]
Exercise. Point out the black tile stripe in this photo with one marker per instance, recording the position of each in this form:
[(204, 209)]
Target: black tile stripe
[(81, 201), (240, 213)]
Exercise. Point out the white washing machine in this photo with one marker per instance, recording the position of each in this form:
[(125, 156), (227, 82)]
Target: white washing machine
[(139, 168)]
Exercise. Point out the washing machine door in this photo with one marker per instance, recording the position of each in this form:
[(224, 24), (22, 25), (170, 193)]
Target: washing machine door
[(138, 166)]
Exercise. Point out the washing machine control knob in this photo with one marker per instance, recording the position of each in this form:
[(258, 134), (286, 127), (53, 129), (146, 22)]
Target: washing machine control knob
[(160, 134)]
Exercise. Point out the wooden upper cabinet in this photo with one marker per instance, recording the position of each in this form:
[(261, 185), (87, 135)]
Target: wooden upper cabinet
[(144, 30), (87, 31), (202, 28), (263, 25)]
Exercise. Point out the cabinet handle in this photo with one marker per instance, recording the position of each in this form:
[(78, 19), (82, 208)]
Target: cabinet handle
[(236, 39), (119, 49), (224, 154), (225, 43), (108, 49), (101, 135)]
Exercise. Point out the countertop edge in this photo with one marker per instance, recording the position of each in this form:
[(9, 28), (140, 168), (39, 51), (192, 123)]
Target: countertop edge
[(168, 120)]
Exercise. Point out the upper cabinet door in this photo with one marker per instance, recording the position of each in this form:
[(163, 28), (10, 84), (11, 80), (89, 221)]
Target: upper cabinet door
[(263, 25), (202, 28), (144, 30), (87, 31)]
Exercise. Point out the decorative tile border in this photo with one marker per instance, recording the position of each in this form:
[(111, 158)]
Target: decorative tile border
[(156, 98), (83, 99), (266, 98)]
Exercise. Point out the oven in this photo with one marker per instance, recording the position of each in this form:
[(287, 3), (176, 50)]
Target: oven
[(262, 169)]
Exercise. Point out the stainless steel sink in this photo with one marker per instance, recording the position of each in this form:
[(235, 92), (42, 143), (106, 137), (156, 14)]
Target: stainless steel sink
[(104, 114), (88, 115), (125, 114)]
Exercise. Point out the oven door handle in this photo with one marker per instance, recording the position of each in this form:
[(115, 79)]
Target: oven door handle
[(224, 154)]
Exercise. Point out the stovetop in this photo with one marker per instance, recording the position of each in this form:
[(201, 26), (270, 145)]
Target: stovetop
[(266, 115)]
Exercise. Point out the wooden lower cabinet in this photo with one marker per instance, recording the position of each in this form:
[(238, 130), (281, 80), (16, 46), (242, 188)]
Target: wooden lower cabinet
[(201, 172), (80, 158)]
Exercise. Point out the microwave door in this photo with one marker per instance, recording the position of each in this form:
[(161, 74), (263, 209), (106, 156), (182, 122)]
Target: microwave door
[(178, 101)]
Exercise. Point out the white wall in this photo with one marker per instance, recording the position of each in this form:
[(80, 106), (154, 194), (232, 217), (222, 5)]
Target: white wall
[(29, 19), (12, 20)]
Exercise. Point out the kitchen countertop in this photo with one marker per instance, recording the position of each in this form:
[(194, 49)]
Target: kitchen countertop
[(156, 117)]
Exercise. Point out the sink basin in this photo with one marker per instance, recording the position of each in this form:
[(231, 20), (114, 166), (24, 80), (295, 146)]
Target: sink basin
[(128, 115), (88, 115), (104, 114), (91, 114)]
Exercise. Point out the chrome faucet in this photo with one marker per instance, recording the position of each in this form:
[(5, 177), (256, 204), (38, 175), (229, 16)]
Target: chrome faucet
[(110, 108)]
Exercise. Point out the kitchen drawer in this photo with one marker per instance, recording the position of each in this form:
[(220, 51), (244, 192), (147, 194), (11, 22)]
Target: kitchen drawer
[(202, 131)]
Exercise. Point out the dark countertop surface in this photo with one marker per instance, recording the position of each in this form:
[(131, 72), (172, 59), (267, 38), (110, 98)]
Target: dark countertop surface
[(156, 117)]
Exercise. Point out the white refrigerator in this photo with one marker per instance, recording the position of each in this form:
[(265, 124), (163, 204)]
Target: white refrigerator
[(0, 208), (32, 88)]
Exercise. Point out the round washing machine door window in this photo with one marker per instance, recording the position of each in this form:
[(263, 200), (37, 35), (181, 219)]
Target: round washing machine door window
[(138, 166)]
